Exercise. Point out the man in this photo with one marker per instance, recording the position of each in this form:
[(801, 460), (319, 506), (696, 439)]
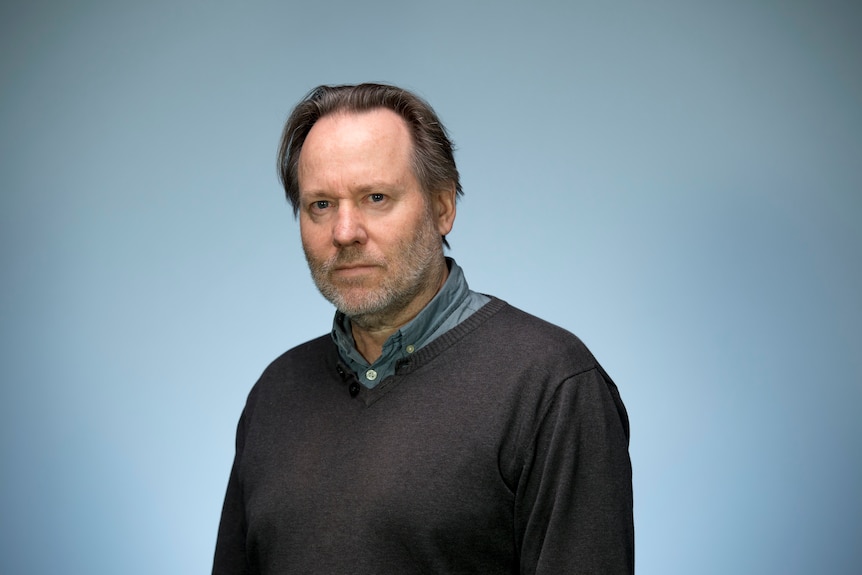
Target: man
[(435, 430)]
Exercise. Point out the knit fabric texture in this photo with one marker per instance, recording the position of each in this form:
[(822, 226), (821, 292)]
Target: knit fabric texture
[(501, 447)]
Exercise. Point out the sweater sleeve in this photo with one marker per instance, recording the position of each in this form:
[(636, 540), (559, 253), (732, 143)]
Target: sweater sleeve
[(230, 552), (573, 509)]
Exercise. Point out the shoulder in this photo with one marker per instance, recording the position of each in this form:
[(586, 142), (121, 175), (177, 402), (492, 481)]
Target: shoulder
[(521, 356), (523, 335), (310, 360), (302, 355), (562, 359)]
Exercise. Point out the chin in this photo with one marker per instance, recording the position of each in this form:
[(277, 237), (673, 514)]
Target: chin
[(355, 305)]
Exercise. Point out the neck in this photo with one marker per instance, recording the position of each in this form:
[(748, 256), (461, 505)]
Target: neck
[(371, 332)]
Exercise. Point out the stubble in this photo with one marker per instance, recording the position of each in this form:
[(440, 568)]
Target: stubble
[(407, 272)]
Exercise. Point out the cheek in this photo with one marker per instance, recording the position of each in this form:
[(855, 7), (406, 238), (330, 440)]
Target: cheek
[(313, 237)]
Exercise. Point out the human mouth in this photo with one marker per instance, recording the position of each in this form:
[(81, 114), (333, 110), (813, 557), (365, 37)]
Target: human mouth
[(353, 269)]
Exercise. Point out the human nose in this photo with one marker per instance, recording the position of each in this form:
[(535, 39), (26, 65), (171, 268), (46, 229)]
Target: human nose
[(348, 227)]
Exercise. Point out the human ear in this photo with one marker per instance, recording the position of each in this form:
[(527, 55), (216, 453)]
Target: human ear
[(443, 204)]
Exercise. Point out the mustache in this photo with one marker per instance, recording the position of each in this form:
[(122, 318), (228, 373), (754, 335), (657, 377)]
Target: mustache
[(350, 256)]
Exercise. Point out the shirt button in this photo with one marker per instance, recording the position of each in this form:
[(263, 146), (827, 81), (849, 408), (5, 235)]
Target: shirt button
[(410, 349), (353, 389), (371, 375)]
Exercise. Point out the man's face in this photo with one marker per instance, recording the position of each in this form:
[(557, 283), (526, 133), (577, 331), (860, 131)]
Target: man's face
[(370, 234)]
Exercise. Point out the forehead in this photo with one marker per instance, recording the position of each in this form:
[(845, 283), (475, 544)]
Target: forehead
[(376, 138)]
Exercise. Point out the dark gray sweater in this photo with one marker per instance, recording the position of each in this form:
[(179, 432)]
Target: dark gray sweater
[(501, 447)]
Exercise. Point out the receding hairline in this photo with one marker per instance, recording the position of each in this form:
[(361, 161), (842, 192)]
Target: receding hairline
[(347, 111), (368, 131), (376, 135)]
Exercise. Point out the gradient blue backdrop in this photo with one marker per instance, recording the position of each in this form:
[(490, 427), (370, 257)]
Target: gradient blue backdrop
[(679, 183)]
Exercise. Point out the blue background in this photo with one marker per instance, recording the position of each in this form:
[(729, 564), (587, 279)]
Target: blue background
[(679, 183)]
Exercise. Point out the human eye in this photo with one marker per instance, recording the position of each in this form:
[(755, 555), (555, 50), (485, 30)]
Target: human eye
[(376, 198), (319, 205)]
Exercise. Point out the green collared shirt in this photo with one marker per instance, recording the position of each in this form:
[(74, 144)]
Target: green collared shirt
[(454, 303)]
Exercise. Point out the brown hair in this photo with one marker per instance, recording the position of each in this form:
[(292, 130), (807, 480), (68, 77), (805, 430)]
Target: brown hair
[(433, 157)]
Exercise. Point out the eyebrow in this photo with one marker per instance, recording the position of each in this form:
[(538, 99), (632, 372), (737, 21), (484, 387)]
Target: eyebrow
[(379, 187), (372, 188)]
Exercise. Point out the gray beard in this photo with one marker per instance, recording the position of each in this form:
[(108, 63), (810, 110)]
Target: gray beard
[(394, 294)]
